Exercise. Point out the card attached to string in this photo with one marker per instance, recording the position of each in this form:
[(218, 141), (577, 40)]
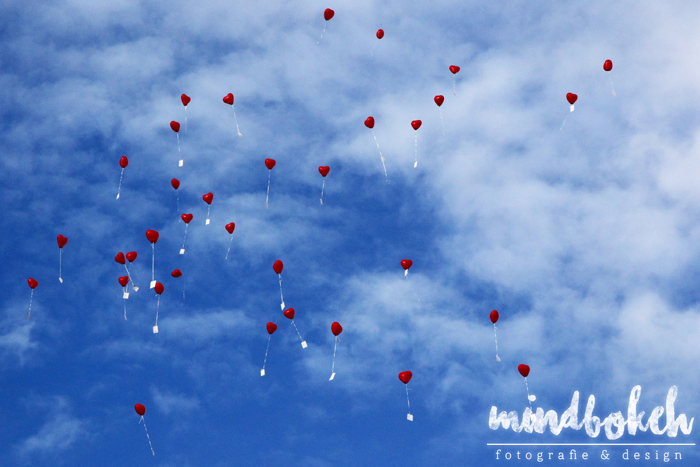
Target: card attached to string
[(153, 284), (155, 329), (126, 295)]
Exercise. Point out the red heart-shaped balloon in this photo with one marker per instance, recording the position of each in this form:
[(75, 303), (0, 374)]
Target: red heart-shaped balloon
[(323, 170), (230, 227), (524, 370), (175, 126), (289, 313), (494, 316), (416, 124), (33, 283), (62, 241), (571, 97), (380, 33), (406, 263), (188, 217), (123, 280), (229, 99), (185, 99), (175, 183), (278, 266), (270, 163), (328, 14), (131, 256), (369, 123), (607, 66), (152, 236), (140, 409), (159, 288), (208, 198), (123, 162), (439, 100), (336, 328), (120, 258), (176, 273), (405, 376), (271, 327), (454, 69)]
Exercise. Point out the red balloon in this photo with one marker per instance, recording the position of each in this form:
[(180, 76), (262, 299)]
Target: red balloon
[(123, 280), (571, 97), (120, 258), (324, 170), (270, 163), (131, 256), (33, 283), (278, 266), (524, 370), (336, 328), (175, 183), (406, 263), (185, 99), (229, 99), (380, 33), (62, 241), (176, 273), (494, 316), (289, 313), (271, 327), (123, 162), (416, 124), (230, 227), (405, 376), (328, 14), (159, 288), (175, 126), (152, 236), (607, 66), (188, 217), (208, 198), (439, 100), (454, 69), (140, 409), (369, 123)]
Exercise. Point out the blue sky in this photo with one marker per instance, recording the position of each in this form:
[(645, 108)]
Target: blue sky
[(584, 238)]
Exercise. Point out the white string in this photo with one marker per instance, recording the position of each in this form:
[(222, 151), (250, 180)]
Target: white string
[(120, 183), (183, 291), (528, 398), (127, 285), (562, 125), (153, 263), (407, 399), (454, 86), (157, 309), (410, 286), (236, 119), (30, 304), (178, 142), (208, 210), (415, 164), (324, 31), (185, 119), (60, 261), (496, 337), (267, 198), (442, 124), (269, 337), (281, 297), (334, 349), (380, 155), (323, 188), (128, 273), (185, 237), (178, 203), (229, 246), (149, 438), (611, 85), (295, 327)]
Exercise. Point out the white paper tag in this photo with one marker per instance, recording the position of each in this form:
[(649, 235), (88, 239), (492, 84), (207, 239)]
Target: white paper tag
[(332, 376), (409, 417), (498, 358), (126, 295), (262, 372), (415, 164), (117, 196), (60, 279), (282, 306), (180, 163), (136, 289), (405, 273), (207, 223), (182, 251), (303, 345), (153, 284), (572, 108), (532, 397), (155, 329)]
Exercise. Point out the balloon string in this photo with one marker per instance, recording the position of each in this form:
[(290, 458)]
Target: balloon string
[(120, 183), (334, 349), (185, 119), (442, 124), (30, 304), (410, 286), (415, 164), (295, 327), (125, 304), (236, 119), (454, 86), (229, 246), (149, 438), (60, 263), (269, 337), (323, 188), (157, 309), (178, 203), (408, 400), (132, 281), (496, 337), (324, 31), (185, 237), (208, 211), (611, 85), (562, 125), (380, 155), (183, 292), (153, 263), (281, 296), (528, 396), (267, 198), (178, 141)]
